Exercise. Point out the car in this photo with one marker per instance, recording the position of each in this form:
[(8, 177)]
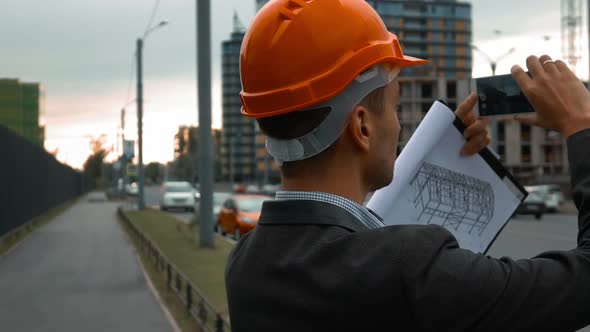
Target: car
[(240, 213), (132, 189), (218, 199), (270, 189), (252, 189), (178, 195), (551, 194), (534, 204)]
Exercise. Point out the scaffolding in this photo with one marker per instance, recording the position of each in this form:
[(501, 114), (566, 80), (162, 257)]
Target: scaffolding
[(572, 31), (452, 199)]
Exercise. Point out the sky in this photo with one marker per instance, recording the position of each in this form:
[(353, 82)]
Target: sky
[(82, 52)]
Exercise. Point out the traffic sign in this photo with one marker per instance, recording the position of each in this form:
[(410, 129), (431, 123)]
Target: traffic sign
[(129, 149), (131, 170)]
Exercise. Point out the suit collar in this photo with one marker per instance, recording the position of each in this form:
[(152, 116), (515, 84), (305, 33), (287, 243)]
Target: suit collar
[(303, 212)]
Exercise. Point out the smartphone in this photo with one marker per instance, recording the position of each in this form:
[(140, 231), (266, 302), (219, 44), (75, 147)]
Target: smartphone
[(500, 95)]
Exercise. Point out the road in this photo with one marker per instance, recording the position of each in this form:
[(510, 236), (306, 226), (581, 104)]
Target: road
[(77, 273), (525, 237)]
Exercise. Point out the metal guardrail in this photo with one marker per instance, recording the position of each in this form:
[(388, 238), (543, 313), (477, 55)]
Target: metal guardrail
[(197, 305)]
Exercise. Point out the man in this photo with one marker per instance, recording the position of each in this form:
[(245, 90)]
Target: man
[(320, 76)]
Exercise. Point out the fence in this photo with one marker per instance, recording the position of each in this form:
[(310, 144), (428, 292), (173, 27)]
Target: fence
[(196, 304), (32, 182)]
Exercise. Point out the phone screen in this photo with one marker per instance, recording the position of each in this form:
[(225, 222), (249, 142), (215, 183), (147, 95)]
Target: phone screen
[(500, 95)]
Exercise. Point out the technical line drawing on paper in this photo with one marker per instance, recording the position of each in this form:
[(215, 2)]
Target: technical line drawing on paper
[(452, 199)]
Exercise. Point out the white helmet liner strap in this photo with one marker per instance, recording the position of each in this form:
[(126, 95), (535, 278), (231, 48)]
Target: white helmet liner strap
[(333, 125)]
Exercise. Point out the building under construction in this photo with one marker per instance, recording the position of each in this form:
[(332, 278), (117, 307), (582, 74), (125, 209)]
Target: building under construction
[(21, 104)]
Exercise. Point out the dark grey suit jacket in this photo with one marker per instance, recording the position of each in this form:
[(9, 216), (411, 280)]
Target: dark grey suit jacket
[(311, 266)]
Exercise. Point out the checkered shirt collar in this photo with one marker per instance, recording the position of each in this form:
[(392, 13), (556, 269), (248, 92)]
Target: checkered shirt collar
[(362, 214)]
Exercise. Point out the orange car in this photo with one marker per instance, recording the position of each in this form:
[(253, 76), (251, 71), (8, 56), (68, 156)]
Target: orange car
[(239, 214)]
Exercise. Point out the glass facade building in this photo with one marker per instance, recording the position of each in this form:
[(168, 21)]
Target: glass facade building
[(439, 31), (238, 140)]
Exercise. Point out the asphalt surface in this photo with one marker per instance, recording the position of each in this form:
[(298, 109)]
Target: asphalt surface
[(525, 237), (77, 273)]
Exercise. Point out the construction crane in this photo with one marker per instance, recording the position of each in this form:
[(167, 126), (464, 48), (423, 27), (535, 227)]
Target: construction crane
[(571, 31)]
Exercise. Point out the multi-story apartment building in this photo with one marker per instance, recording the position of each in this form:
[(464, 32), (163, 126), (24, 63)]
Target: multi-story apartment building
[(21, 104), (437, 30), (186, 152), (419, 93), (238, 139)]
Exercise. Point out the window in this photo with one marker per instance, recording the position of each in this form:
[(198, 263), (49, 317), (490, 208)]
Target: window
[(463, 12), (427, 90), (526, 153), (386, 8), (501, 131), (451, 90), (502, 151), (525, 132)]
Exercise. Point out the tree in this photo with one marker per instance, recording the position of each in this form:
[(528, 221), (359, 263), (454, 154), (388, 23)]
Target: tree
[(93, 166), (153, 172), (183, 168)]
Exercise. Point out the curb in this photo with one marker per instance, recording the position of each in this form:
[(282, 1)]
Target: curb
[(154, 292)]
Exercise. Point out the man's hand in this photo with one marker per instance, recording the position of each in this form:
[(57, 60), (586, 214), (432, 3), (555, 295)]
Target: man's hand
[(560, 100), (476, 132)]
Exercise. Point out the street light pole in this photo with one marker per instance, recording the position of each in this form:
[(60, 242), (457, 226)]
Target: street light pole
[(140, 169), (141, 197), (203, 27), (493, 65)]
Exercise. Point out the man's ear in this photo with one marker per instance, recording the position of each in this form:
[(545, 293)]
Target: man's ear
[(360, 128)]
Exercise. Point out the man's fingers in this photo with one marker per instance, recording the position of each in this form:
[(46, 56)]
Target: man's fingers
[(466, 106), (476, 128), (475, 144), (535, 67), (521, 77), (562, 66), (549, 65)]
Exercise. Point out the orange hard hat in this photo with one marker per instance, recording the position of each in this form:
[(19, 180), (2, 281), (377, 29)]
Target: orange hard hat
[(299, 53)]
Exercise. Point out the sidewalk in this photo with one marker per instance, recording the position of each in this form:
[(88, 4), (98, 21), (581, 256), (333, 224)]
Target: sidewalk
[(78, 273)]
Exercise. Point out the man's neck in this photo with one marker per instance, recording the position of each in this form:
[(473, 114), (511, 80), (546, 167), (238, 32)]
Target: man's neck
[(343, 187)]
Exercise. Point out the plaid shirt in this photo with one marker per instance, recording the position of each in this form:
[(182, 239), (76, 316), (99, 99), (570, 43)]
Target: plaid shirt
[(362, 214)]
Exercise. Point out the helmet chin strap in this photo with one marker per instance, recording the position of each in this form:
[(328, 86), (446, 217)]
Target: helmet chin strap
[(331, 128)]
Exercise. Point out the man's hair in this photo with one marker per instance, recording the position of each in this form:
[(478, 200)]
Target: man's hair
[(300, 123)]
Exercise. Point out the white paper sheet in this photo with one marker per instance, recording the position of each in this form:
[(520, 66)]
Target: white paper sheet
[(433, 184)]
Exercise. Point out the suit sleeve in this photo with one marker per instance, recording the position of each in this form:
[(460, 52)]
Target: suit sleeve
[(451, 289)]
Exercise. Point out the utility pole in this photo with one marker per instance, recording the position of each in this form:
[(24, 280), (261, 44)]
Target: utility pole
[(231, 161), (122, 158), (141, 197), (203, 15)]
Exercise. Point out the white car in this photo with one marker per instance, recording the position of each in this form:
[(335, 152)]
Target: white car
[(132, 189), (178, 195), (551, 194)]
